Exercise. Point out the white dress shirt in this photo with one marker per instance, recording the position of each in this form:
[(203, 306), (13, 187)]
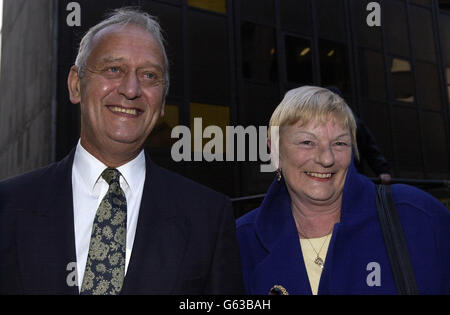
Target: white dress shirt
[(89, 188)]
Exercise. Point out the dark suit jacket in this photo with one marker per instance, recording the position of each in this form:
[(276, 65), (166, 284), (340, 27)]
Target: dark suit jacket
[(185, 239)]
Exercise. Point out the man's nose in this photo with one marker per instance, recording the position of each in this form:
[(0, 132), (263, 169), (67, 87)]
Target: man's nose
[(130, 87), (325, 156)]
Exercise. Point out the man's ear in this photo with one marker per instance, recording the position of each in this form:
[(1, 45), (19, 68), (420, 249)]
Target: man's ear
[(162, 108), (73, 83)]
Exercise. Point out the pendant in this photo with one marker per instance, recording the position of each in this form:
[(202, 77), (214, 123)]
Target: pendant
[(318, 261)]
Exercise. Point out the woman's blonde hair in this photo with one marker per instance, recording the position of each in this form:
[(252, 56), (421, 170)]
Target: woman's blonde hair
[(305, 104)]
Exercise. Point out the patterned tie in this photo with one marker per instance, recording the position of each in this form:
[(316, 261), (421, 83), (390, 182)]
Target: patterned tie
[(105, 266)]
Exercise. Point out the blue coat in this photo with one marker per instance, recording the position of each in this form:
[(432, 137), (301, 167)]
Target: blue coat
[(271, 254)]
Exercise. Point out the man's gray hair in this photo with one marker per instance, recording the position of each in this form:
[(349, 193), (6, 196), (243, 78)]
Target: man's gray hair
[(123, 16)]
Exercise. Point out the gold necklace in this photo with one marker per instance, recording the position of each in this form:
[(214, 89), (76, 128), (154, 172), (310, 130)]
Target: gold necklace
[(318, 261)]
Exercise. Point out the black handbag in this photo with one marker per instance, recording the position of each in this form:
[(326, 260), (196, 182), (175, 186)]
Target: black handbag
[(395, 242)]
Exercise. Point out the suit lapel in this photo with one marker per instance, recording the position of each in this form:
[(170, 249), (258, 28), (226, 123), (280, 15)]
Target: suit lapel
[(46, 242), (160, 240)]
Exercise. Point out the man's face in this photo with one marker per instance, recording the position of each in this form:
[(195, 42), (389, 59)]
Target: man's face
[(121, 94)]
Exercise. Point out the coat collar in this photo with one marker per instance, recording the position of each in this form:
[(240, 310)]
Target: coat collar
[(276, 230), (275, 218)]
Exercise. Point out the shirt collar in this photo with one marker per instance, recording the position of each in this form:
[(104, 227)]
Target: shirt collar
[(90, 168), (133, 172)]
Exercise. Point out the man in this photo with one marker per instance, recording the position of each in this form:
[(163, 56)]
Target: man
[(106, 219)]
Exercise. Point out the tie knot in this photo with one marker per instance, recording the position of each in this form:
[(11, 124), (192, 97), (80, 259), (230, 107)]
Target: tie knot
[(111, 175)]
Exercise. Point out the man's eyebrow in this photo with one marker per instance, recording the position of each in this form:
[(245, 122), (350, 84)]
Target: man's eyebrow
[(107, 60), (153, 65), (111, 59)]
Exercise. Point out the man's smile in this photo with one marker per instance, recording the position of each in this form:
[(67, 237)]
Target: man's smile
[(129, 112)]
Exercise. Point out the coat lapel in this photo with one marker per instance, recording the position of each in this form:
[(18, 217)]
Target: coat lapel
[(276, 230), (356, 241), (46, 241), (280, 268), (160, 240)]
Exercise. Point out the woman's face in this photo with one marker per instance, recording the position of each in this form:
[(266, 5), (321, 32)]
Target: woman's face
[(314, 159)]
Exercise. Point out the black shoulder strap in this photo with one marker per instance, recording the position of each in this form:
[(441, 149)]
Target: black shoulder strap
[(395, 242)]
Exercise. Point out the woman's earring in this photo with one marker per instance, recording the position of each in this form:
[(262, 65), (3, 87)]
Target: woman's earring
[(278, 174)]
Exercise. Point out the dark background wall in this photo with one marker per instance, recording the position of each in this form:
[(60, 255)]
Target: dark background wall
[(232, 61)]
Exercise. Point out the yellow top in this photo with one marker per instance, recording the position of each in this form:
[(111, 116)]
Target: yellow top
[(309, 256)]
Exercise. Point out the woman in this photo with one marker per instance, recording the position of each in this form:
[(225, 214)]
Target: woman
[(317, 230)]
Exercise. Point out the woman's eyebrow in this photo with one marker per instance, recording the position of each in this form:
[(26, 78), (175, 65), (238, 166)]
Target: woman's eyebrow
[(346, 134), (306, 132), (343, 135)]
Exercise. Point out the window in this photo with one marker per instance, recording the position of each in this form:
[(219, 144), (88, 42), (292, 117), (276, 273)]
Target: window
[(295, 15), (209, 58), (376, 118), (171, 1), (402, 80), (330, 14), (444, 5), (170, 20), (259, 60), (334, 65), (435, 144), (366, 36), (211, 115), (445, 36), (160, 137), (259, 102), (372, 79), (422, 32), (407, 141), (396, 27), (447, 76), (299, 60), (422, 2), (258, 11), (210, 171), (428, 92), (95, 13), (219, 6)]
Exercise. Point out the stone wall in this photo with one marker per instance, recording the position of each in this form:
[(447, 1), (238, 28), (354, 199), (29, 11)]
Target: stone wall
[(26, 132)]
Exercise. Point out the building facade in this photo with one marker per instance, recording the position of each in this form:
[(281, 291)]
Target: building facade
[(231, 63)]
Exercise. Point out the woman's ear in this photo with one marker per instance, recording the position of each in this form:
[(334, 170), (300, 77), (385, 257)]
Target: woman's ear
[(73, 83)]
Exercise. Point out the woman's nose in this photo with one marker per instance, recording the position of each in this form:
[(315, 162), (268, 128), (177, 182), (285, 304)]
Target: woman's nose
[(325, 156)]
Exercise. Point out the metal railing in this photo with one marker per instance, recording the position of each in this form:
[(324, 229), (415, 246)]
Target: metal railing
[(430, 183)]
